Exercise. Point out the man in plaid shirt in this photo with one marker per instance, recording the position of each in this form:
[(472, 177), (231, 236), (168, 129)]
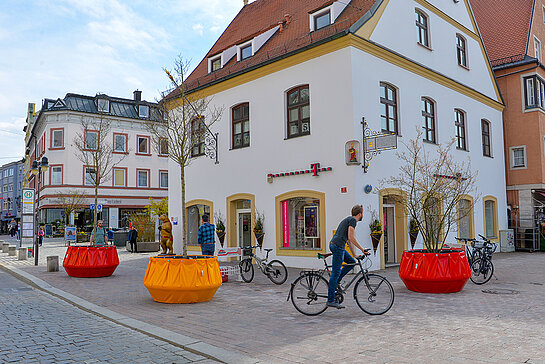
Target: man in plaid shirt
[(205, 236)]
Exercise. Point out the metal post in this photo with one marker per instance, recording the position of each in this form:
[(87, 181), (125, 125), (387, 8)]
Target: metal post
[(37, 229)]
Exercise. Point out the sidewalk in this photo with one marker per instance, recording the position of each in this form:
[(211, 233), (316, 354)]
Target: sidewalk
[(254, 322)]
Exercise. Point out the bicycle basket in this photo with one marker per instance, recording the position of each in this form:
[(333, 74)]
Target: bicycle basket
[(246, 251)]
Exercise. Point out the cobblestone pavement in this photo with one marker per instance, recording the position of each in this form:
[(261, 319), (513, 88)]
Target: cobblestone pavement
[(505, 325), (36, 327)]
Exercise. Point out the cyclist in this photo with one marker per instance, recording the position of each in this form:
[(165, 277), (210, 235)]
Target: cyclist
[(346, 232)]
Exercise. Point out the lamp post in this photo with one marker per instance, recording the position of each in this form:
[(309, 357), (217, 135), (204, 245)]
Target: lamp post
[(38, 167)]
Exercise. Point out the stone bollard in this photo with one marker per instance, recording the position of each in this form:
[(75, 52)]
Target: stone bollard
[(5, 247), (53, 263), (22, 254), (12, 251)]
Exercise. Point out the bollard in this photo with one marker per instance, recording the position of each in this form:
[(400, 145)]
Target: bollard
[(5, 247), (22, 255), (53, 263), (12, 251)]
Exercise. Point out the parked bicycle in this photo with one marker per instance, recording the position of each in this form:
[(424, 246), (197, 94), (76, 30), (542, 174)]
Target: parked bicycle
[(479, 257), (373, 293), (275, 269)]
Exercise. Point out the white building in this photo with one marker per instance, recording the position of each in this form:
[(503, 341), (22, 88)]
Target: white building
[(296, 79), (140, 172)]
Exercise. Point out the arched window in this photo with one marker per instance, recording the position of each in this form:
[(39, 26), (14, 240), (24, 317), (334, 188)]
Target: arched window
[(197, 137), (388, 108), (460, 124), (241, 126), (428, 119), (298, 111), (490, 207), (195, 210), (465, 217), (485, 131), (422, 28)]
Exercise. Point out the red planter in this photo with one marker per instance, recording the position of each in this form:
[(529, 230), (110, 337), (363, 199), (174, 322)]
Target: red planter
[(90, 261), (444, 272)]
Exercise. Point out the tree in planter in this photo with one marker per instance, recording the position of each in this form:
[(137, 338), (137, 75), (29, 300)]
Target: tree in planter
[(258, 227), (413, 231), (144, 224), (376, 230), (433, 185), (95, 150), (70, 201), (157, 208), (186, 118), (220, 227)]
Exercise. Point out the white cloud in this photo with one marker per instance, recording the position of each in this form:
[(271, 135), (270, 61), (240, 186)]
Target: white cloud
[(198, 28)]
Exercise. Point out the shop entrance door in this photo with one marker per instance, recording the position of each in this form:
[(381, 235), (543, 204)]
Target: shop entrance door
[(244, 237), (389, 234)]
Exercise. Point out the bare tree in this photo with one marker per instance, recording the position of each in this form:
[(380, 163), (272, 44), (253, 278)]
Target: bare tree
[(70, 201), (186, 118), (433, 185), (94, 150)]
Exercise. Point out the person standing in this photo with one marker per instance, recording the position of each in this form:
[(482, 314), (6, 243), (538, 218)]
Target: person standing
[(41, 234), (133, 234), (205, 236), (12, 228), (100, 235), (346, 233), (110, 236)]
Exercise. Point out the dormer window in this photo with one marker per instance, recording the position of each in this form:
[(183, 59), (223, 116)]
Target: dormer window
[(246, 51), (215, 64), (103, 105), (322, 20), (143, 111)]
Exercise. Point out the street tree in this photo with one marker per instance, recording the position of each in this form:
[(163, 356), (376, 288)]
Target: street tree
[(186, 118), (70, 201)]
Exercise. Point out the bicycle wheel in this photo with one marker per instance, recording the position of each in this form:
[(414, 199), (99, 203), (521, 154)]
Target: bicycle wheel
[(309, 294), (246, 270), (277, 272), (481, 273), (377, 297)]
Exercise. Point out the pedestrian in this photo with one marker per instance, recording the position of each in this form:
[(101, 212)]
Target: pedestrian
[(133, 235), (346, 233), (41, 234), (12, 228), (205, 236), (100, 235), (18, 230), (110, 236)]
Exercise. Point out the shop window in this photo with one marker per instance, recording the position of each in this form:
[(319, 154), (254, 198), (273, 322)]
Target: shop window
[(301, 223), (194, 218)]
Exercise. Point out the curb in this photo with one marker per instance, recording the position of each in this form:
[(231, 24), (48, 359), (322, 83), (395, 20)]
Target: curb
[(185, 342)]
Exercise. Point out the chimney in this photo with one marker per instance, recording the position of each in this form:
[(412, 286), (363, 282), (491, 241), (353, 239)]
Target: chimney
[(137, 95), (287, 18), (245, 2)]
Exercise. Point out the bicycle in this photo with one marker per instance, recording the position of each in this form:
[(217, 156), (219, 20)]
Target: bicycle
[(473, 253), (482, 268), (373, 293), (275, 270)]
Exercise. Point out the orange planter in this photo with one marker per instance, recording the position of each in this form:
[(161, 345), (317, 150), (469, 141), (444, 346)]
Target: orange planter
[(172, 279), (90, 261)]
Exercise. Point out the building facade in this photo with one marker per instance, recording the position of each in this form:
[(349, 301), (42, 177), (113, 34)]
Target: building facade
[(513, 33), (11, 185), (137, 171), (296, 80)]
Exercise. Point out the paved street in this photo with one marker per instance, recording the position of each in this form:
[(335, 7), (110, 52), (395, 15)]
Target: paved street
[(502, 325), (36, 327)]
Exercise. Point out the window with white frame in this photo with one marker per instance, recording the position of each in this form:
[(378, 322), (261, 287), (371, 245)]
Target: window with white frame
[(422, 28), (537, 49), (90, 176), (120, 143), (143, 111), (461, 50), (428, 119), (485, 132), (464, 219), (57, 138), (246, 51), (142, 178), (120, 177), (10, 187), (388, 108), (163, 179), (103, 105), (518, 157), (91, 139), (489, 218), (11, 172), (534, 92), (215, 63), (460, 125), (56, 175), (322, 19), (163, 146), (143, 145), (5, 188)]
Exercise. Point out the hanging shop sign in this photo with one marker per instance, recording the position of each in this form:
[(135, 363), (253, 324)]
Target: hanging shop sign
[(315, 169), (352, 152)]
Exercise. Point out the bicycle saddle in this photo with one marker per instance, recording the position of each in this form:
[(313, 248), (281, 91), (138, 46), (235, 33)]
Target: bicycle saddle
[(323, 256), (267, 250)]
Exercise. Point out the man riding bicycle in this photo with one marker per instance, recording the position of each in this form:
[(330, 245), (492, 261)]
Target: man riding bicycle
[(346, 233)]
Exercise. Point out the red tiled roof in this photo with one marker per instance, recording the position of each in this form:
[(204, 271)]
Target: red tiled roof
[(262, 15), (504, 27)]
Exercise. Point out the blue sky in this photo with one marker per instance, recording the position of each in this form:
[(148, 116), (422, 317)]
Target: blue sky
[(51, 47)]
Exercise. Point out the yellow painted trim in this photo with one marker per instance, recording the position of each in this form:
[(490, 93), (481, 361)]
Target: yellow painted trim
[(496, 227), (367, 29), (199, 202), (471, 216), (401, 225), (230, 224), (279, 236)]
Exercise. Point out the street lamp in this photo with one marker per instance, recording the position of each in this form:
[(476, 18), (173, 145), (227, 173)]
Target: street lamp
[(38, 167)]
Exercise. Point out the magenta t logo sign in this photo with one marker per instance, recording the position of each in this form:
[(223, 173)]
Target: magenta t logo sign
[(315, 168)]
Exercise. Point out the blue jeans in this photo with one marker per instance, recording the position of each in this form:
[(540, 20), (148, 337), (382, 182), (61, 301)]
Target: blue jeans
[(339, 255), (208, 249)]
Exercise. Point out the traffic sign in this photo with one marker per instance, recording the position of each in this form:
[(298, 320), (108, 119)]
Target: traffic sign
[(92, 206), (28, 201), (99, 207)]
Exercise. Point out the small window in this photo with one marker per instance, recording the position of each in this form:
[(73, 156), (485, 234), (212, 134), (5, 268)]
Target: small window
[(241, 126), (298, 101), (120, 177), (120, 143), (537, 49), (91, 139), (428, 120), (11, 171), (464, 218), (422, 28), (143, 178), (388, 108), (90, 176), (461, 50), (197, 137), (485, 130), (56, 175), (246, 51), (143, 111), (163, 146), (322, 20), (489, 218), (57, 138), (163, 179), (460, 124), (103, 105), (518, 157), (215, 64), (530, 93), (143, 145), (10, 187)]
